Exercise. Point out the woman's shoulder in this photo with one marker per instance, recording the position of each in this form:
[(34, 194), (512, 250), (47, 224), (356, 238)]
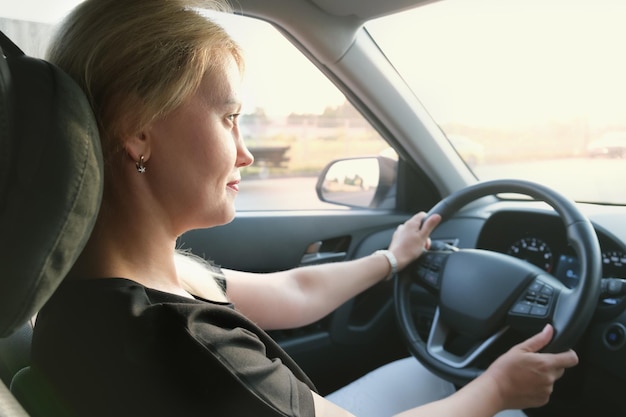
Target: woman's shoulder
[(80, 293), (98, 312), (120, 294)]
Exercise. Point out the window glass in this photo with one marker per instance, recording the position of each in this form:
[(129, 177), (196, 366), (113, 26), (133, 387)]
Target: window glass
[(295, 121), (533, 90)]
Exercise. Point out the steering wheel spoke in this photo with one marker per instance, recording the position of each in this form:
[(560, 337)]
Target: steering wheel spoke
[(439, 337)]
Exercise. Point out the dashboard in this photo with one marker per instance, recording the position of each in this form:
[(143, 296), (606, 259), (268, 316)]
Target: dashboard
[(532, 231), (540, 238)]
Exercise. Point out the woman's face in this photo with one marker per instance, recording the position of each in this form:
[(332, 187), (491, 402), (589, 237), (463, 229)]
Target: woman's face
[(196, 152)]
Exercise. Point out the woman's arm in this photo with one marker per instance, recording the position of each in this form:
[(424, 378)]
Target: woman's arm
[(519, 379), (300, 296)]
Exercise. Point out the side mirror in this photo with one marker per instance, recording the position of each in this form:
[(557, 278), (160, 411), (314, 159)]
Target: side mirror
[(367, 182)]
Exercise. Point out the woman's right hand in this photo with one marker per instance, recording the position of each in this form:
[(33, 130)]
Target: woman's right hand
[(524, 378)]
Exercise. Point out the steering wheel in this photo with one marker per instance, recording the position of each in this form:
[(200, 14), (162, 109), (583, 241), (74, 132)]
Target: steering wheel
[(487, 301)]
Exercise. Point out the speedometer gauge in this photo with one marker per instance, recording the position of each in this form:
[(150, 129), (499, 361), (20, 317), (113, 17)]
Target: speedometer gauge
[(533, 250)]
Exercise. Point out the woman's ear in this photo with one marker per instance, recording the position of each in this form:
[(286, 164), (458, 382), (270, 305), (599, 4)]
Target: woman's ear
[(137, 146)]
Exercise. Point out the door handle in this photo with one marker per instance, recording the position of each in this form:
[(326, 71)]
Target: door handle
[(313, 255)]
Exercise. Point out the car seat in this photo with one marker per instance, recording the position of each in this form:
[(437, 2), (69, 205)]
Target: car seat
[(51, 184), (15, 351)]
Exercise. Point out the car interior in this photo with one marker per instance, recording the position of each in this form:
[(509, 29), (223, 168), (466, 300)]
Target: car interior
[(564, 259)]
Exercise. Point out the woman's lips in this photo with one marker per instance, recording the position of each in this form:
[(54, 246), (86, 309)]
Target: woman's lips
[(234, 185)]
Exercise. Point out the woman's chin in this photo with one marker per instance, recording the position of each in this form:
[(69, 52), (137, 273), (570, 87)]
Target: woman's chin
[(213, 221), (226, 217)]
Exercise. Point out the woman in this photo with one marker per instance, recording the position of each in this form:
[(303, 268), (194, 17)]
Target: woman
[(134, 329)]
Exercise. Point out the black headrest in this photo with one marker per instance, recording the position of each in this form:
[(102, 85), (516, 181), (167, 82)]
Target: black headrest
[(50, 181)]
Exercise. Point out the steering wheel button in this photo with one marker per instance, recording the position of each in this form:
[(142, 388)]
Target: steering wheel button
[(530, 298), (539, 311), (431, 278), (437, 261), (543, 300), (547, 290), (535, 287), (521, 308)]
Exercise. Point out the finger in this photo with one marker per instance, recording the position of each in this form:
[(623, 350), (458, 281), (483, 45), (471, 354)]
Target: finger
[(538, 341), (414, 223), (425, 216), (430, 223), (566, 359), (417, 219)]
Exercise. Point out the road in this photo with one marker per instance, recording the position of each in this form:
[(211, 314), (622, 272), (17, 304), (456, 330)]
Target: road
[(599, 180), (293, 193)]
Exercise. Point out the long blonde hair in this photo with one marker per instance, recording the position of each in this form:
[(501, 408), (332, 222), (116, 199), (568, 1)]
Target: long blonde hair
[(200, 277), (138, 60)]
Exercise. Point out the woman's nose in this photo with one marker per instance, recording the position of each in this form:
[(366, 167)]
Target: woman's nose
[(244, 156)]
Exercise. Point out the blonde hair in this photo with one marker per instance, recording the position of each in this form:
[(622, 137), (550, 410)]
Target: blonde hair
[(138, 60), (200, 277)]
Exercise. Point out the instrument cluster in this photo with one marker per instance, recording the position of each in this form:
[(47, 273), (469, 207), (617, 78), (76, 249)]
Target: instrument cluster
[(540, 238)]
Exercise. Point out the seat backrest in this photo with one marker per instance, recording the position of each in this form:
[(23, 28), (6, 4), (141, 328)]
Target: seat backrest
[(51, 180), (15, 351), (37, 396)]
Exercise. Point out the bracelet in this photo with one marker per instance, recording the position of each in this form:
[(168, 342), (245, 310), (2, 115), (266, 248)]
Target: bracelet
[(392, 262)]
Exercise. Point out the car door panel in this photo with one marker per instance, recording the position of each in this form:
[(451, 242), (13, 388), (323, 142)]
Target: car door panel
[(272, 241)]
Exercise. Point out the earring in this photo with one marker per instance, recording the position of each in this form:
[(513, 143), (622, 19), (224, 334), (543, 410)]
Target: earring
[(140, 166)]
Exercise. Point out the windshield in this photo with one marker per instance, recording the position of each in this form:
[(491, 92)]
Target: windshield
[(532, 90)]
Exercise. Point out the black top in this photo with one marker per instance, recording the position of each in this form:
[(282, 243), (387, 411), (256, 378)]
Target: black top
[(112, 347)]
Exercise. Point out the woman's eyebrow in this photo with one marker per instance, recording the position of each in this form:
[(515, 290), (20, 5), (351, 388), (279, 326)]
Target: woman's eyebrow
[(232, 101)]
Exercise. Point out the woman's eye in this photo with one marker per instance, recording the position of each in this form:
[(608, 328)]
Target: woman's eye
[(233, 117)]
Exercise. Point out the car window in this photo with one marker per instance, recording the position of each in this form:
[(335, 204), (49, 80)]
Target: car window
[(533, 90), (294, 120)]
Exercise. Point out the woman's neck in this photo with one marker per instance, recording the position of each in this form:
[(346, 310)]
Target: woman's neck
[(133, 250)]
